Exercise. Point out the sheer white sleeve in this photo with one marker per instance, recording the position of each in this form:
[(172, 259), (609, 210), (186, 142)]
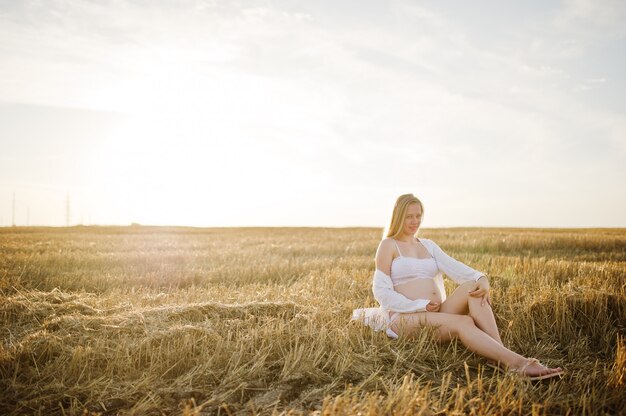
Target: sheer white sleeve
[(457, 271)]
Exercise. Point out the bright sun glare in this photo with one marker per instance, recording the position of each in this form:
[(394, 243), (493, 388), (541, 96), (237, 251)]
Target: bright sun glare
[(181, 153)]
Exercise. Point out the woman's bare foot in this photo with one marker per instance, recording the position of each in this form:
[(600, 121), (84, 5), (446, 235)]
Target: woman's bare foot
[(534, 370)]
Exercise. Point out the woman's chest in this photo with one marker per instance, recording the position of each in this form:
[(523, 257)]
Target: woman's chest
[(406, 267)]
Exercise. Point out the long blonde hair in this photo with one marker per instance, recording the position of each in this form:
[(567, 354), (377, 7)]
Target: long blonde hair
[(399, 213)]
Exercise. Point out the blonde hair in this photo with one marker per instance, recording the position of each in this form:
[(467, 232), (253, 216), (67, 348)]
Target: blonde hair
[(399, 213)]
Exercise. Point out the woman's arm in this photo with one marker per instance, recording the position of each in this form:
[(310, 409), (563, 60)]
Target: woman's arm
[(391, 300), (457, 271), (461, 273), (384, 256)]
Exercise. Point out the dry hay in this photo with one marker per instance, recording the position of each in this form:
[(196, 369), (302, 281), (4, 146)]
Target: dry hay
[(179, 332)]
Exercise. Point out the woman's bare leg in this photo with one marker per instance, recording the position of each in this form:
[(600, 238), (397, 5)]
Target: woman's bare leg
[(449, 326), (461, 303)]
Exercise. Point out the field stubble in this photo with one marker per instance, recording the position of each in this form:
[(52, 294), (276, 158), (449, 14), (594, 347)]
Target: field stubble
[(147, 320)]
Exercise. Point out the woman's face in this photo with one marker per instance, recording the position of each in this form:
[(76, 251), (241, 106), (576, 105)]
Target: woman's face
[(413, 219)]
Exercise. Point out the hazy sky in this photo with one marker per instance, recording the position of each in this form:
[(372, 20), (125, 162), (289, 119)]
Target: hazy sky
[(315, 113)]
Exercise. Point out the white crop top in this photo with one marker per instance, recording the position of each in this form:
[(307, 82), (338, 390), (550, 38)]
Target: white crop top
[(406, 268)]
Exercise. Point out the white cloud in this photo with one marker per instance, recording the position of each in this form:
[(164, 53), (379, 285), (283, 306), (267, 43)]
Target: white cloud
[(592, 18)]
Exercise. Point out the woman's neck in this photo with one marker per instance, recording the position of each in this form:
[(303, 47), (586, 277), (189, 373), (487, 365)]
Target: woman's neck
[(406, 238)]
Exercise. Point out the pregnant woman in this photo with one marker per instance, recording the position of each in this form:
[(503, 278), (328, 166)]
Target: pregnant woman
[(408, 285)]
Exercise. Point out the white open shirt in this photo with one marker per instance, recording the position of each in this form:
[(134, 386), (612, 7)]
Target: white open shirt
[(392, 301)]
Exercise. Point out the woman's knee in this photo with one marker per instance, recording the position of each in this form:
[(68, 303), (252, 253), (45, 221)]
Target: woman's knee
[(452, 325), (462, 322), (476, 301)]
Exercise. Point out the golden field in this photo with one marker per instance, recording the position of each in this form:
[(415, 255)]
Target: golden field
[(157, 320)]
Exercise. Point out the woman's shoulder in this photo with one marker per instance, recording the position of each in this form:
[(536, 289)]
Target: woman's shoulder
[(386, 242)]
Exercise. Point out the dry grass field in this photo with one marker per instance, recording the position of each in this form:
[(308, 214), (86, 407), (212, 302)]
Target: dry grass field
[(149, 320)]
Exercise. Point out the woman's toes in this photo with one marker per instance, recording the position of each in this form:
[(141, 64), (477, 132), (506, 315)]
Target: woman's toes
[(540, 370), (554, 370)]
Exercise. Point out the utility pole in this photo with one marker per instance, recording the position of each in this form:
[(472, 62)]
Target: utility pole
[(67, 211), (14, 208)]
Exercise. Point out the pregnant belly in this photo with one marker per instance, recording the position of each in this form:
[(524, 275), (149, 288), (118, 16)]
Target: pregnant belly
[(420, 289)]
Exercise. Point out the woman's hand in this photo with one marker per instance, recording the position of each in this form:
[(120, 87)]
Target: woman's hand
[(433, 306), (482, 290)]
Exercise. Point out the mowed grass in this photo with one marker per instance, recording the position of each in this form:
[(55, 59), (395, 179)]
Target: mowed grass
[(149, 320)]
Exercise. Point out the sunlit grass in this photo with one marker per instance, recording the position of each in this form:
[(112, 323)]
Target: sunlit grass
[(140, 320)]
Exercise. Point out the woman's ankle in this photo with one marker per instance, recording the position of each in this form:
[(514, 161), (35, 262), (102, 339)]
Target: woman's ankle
[(519, 363)]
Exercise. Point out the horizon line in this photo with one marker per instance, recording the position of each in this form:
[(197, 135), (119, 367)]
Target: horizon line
[(136, 226)]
